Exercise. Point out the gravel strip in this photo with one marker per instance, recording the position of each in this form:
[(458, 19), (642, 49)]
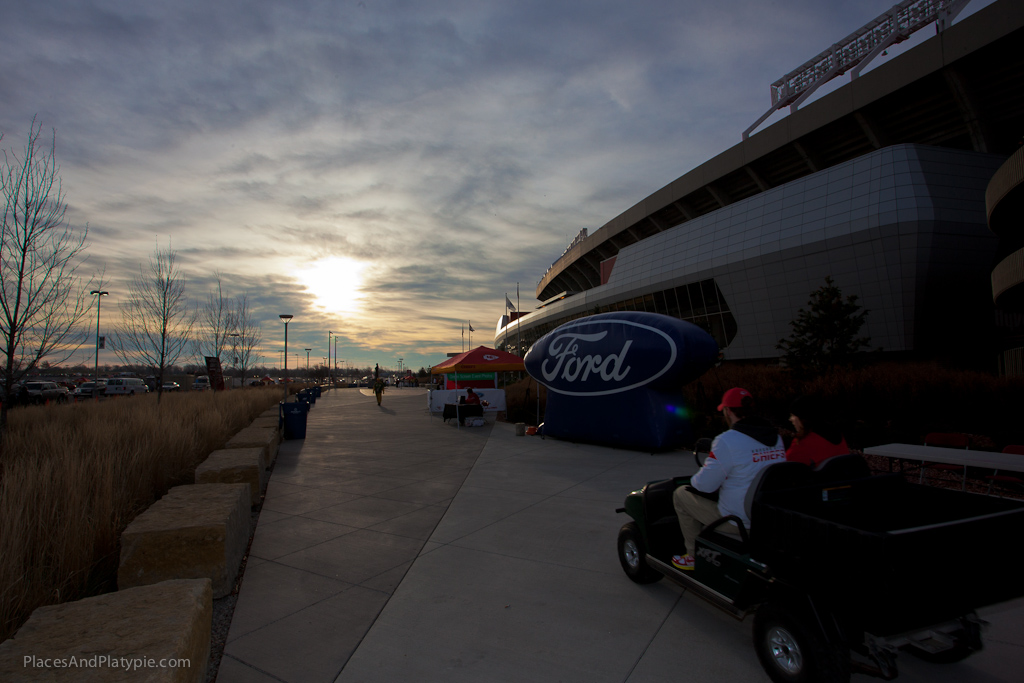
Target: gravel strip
[(224, 608)]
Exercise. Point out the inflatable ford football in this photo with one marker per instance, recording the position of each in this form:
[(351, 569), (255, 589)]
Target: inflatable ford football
[(617, 378)]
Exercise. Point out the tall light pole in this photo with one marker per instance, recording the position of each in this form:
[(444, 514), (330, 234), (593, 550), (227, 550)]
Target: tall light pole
[(330, 371), (234, 352), (307, 363), (96, 370), (287, 319)]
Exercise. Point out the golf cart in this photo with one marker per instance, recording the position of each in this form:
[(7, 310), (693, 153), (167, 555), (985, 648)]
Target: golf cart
[(840, 562)]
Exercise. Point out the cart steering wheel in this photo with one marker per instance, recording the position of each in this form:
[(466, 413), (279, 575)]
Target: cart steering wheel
[(701, 450)]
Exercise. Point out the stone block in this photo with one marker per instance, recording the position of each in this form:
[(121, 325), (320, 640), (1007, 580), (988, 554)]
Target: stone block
[(122, 636), (194, 532), (266, 421), (235, 466), (257, 437)]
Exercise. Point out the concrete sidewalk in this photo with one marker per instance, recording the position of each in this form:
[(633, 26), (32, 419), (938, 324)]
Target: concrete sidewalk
[(393, 547)]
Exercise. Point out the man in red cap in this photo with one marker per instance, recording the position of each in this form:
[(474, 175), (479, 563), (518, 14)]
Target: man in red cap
[(737, 455)]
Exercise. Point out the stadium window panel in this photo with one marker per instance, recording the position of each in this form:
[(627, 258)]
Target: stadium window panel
[(685, 305), (659, 303), (730, 328), (702, 322), (710, 291), (671, 303), (716, 327), (696, 299), (721, 298)]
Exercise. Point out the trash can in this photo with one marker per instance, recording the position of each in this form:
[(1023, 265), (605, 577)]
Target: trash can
[(303, 397), (317, 391), (293, 419)]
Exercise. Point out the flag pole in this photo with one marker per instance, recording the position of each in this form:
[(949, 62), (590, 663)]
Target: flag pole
[(519, 316)]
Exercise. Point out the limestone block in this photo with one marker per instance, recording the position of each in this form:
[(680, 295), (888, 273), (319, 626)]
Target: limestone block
[(194, 532), (268, 421), (235, 465), (270, 412), (129, 635), (257, 437)]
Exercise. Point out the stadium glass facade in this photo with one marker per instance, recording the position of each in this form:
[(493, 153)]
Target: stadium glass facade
[(903, 228)]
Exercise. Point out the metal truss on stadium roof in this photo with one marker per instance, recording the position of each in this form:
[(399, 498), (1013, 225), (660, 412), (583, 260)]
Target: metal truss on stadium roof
[(854, 52)]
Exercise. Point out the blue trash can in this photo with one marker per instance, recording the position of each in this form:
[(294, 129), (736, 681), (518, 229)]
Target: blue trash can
[(293, 419), (317, 391)]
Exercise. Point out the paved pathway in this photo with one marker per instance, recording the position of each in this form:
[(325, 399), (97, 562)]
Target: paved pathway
[(393, 547)]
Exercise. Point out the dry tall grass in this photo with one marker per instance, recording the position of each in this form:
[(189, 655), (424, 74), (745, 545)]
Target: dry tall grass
[(73, 477)]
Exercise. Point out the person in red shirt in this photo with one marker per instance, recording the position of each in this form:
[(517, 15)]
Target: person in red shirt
[(473, 398), (817, 439)]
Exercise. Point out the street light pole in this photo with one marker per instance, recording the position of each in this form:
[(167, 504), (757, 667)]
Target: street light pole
[(234, 353), (287, 319), (307, 364), (330, 371), (96, 370)]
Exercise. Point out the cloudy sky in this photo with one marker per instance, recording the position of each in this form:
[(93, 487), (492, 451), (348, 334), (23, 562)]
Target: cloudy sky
[(384, 169)]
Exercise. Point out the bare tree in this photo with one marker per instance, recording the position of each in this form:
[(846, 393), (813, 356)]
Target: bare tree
[(41, 301), (249, 337), (216, 324), (156, 319)]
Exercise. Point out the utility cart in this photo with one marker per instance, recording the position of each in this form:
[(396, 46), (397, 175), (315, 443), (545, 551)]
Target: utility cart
[(838, 561)]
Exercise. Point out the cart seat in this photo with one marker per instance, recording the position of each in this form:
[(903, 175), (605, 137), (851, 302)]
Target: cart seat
[(778, 477), (841, 468)]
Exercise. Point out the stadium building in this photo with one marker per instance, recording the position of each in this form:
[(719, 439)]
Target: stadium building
[(880, 185)]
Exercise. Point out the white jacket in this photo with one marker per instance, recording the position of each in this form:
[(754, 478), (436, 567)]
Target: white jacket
[(734, 461)]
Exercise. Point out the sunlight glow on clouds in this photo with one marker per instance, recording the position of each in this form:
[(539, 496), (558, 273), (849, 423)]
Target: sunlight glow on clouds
[(335, 282)]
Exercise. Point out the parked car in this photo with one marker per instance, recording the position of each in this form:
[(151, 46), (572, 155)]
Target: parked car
[(41, 392), (201, 383), (170, 386), (87, 390), (125, 386)]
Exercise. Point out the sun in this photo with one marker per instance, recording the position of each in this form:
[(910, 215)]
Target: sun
[(335, 282)]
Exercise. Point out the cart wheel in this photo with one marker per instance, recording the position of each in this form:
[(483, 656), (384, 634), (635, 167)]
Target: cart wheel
[(793, 650), (631, 555)]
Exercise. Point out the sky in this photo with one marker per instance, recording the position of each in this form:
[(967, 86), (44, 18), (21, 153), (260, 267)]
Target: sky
[(383, 170)]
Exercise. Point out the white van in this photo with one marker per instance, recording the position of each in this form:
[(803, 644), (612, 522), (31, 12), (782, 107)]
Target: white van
[(125, 386)]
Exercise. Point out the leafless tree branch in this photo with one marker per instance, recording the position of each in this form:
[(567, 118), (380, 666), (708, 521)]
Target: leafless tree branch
[(157, 321), (41, 300)]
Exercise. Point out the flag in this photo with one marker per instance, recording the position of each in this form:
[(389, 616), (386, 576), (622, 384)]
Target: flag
[(471, 326), (508, 304)]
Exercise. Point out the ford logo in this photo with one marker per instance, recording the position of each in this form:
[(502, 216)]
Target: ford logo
[(612, 353)]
